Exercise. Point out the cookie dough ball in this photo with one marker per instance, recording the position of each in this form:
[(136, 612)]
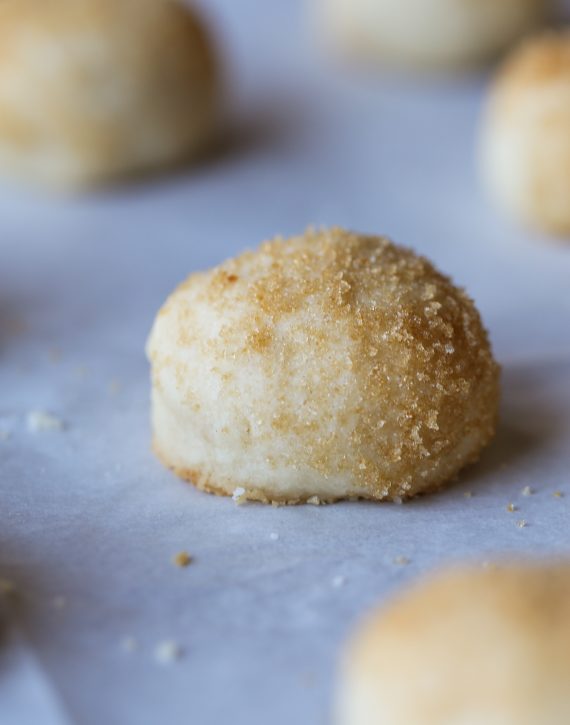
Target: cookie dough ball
[(95, 89), (427, 33), (325, 366), (526, 136), (483, 647)]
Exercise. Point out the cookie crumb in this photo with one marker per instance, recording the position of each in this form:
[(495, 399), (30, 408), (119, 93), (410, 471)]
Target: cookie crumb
[(7, 586), (468, 494), (54, 354), (558, 494), (4, 435), (527, 491), (274, 536), (511, 508), (338, 581), (401, 560), (115, 387), (238, 496), (58, 602), (182, 559), (522, 523), (314, 501), (398, 500), (167, 652), (129, 644), (39, 421)]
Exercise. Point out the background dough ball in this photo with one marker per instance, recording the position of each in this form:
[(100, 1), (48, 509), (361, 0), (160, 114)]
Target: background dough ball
[(526, 135), (432, 33), (483, 647), (92, 89), (329, 365)]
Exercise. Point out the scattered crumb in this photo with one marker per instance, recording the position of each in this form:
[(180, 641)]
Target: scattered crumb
[(522, 523), (527, 491), (401, 560), (238, 495), (167, 652), (115, 387), (58, 602), (511, 508), (39, 421), (398, 500), (7, 586), (274, 536), (468, 494), (54, 354), (489, 565), (314, 501), (558, 494), (81, 371), (4, 435), (129, 644), (182, 559), (338, 581)]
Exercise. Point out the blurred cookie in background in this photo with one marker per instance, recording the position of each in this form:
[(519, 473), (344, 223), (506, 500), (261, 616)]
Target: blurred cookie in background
[(92, 90), (526, 135), (427, 34), (472, 645)]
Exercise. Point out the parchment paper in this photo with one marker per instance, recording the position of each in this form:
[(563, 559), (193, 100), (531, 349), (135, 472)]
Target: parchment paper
[(89, 520)]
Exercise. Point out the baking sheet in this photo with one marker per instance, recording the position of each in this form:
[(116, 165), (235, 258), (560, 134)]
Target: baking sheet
[(89, 520)]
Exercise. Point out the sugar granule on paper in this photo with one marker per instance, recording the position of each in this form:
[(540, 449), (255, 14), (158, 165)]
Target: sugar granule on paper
[(167, 652), (129, 644), (40, 421)]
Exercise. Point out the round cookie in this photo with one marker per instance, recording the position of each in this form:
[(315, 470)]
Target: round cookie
[(471, 646), (526, 135), (427, 33), (91, 90), (321, 367)]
